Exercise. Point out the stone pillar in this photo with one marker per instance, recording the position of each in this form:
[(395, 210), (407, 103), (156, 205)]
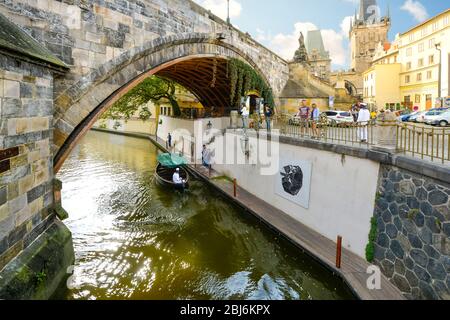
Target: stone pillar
[(234, 119), (60, 212), (386, 134)]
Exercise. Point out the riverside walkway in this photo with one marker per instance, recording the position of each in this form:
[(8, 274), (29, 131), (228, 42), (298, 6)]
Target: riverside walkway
[(353, 270)]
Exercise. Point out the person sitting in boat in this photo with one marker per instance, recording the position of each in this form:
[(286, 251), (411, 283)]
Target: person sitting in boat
[(177, 178)]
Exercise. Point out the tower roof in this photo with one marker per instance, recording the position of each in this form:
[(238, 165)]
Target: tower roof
[(315, 42)]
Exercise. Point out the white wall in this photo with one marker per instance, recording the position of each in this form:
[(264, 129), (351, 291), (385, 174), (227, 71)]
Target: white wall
[(343, 191), (182, 128)]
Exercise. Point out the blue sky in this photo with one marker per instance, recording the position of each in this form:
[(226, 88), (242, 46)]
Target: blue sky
[(277, 23)]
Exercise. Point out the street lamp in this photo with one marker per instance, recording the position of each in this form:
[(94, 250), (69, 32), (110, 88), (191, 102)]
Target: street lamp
[(228, 10), (438, 48)]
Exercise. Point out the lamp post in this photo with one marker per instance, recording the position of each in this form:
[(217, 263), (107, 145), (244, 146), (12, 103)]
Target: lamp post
[(438, 48), (228, 12)]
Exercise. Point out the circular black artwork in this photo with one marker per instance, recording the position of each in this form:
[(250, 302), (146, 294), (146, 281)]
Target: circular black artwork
[(292, 179)]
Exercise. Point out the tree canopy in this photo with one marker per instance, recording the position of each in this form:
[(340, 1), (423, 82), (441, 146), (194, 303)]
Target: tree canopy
[(151, 89)]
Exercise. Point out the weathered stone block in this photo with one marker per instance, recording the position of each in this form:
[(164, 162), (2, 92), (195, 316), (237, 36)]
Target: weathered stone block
[(436, 270), (438, 197), (402, 283), (446, 228), (397, 249), (35, 193), (22, 216), (420, 257), (11, 89), (3, 195)]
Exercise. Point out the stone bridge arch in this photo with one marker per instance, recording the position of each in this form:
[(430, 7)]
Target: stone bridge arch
[(79, 106)]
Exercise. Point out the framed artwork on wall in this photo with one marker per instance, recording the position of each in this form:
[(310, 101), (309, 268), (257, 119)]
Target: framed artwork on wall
[(294, 181)]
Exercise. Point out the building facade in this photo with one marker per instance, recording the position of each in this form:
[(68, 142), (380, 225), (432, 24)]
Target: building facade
[(423, 51), (319, 58), (381, 80)]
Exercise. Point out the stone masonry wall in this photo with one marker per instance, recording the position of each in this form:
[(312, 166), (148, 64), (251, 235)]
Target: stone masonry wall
[(26, 163), (85, 34), (413, 244)]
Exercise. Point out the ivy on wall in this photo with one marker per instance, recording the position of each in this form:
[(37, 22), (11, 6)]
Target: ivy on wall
[(244, 78)]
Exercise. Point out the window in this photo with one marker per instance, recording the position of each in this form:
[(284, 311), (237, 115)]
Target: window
[(407, 79), (409, 52), (431, 43), (408, 66), (435, 26), (420, 63), (395, 59), (417, 98), (421, 47), (429, 75), (419, 77), (446, 20), (408, 101), (424, 31), (411, 37), (431, 59)]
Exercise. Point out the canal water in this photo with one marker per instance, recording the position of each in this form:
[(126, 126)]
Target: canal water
[(136, 240)]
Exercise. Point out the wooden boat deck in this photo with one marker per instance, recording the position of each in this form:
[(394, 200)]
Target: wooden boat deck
[(354, 268)]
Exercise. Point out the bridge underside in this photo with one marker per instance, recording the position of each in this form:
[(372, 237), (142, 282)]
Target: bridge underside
[(206, 78)]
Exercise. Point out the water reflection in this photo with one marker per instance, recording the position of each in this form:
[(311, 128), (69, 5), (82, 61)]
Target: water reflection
[(135, 240)]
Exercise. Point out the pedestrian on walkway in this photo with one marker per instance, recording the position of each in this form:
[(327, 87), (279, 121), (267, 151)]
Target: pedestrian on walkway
[(363, 123), (268, 115), (206, 161), (169, 140), (245, 113), (304, 115), (315, 117)]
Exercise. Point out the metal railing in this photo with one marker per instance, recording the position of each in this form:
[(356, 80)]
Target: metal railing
[(350, 133), (424, 142)]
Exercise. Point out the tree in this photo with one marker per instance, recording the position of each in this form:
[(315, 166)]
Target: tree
[(151, 89)]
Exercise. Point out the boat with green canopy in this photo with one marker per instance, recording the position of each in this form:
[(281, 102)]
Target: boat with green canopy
[(168, 163)]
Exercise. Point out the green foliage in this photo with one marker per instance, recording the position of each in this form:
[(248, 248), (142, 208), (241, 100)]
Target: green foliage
[(40, 277), (370, 248), (438, 224), (151, 89), (413, 213), (378, 196), (244, 78)]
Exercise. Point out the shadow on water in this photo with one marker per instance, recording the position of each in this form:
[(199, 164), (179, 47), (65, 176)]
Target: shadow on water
[(136, 240)]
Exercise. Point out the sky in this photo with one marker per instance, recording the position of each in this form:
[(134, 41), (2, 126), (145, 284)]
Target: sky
[(277, 23)]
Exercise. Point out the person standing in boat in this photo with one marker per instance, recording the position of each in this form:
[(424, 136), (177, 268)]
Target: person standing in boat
[(177, 178)]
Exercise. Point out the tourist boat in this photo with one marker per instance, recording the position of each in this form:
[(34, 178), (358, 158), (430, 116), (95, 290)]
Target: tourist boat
[(167, 164)]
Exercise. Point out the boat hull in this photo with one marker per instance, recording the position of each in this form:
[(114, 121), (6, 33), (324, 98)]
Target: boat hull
[(164, 175)]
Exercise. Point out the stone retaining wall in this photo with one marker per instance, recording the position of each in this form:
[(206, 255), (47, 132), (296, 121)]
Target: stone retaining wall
[(413, 243), (26, 163)]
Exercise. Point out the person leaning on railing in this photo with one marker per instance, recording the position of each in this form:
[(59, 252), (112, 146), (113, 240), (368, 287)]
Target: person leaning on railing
[(315, 117), (363, 122)]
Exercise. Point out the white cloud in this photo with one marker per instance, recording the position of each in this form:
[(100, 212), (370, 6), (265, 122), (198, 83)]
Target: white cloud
[(286, 44), (345, 26), (219, 7), (416, 9)]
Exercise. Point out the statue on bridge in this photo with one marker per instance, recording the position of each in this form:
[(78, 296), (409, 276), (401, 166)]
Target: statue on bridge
[(301, 55)]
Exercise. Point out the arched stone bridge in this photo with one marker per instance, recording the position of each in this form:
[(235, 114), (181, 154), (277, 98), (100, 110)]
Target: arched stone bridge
[(63, 63), (111, 46)]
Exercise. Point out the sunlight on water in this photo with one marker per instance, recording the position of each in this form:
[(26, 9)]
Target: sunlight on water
[(135, 240)]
